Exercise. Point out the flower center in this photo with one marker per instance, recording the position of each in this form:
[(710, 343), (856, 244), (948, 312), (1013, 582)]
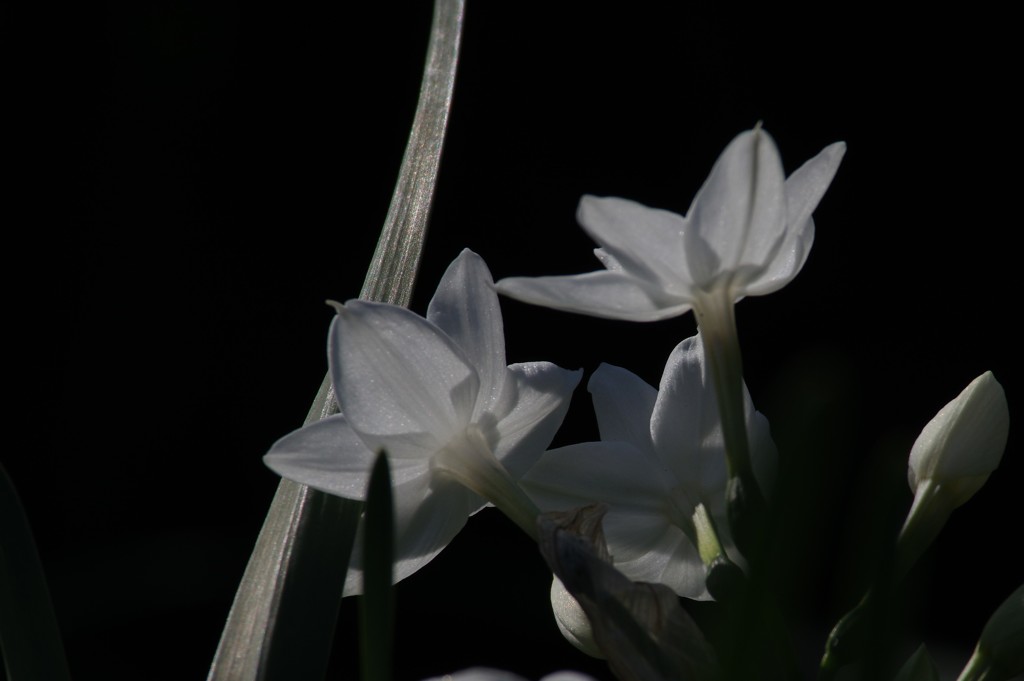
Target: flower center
[(468, 460)]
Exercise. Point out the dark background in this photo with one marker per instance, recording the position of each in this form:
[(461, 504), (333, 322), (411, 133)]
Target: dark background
[(188, 182)]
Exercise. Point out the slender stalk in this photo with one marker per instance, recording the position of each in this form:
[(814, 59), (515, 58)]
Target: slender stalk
[(747, 507), (282, 620)]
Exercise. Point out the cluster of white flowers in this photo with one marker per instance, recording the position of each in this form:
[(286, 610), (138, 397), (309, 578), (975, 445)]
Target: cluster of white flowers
[(462, 430)]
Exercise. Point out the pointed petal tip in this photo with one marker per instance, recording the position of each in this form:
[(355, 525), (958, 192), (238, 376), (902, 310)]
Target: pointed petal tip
[(836, 151), (469, 254)]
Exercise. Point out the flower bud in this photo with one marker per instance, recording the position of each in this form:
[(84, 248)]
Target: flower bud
[(963, 444), (950, 461), (572, 621)]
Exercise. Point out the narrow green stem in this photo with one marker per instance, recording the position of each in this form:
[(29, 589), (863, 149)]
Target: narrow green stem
[(716, 319), (926, 518)]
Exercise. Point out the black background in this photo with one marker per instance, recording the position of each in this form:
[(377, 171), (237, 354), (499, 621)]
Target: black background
[(188, 182)]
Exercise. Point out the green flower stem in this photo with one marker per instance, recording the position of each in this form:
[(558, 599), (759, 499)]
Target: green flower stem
[(928, 514), (755, 617), (851, 637), (469, 461), (716, 318)]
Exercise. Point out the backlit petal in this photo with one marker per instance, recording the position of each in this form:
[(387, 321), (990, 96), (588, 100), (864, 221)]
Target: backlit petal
[(685, 425), (738, 218), (543, 394), (329, 456), (671, 560), (786, 264), (394, 373), (465, 306), (429, 512), (616, 473), (646, 242), (633, 533), (612, 295), (804, 189), (623, 403)]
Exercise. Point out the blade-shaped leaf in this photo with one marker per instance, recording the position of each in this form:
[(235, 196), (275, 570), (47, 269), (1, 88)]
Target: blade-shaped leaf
[(376, 609), (281, 623)]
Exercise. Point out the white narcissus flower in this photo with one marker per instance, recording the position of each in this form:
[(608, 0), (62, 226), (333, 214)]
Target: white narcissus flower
[(659, 465), (747, 233), (951, 460), (458, 425)]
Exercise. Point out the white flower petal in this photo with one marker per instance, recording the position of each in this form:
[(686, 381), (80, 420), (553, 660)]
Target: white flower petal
[(786, 264), (623, 404), (465, 306), (687, 430), (609, 262), (429, 512), (543, 391), (616, 473), (666, 556), (612, 295), (402, 447), (394, 373), (329, 456), (685, 425), (632, 534), (645, 242), (804, 189), (685, 573), (738, 218)]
